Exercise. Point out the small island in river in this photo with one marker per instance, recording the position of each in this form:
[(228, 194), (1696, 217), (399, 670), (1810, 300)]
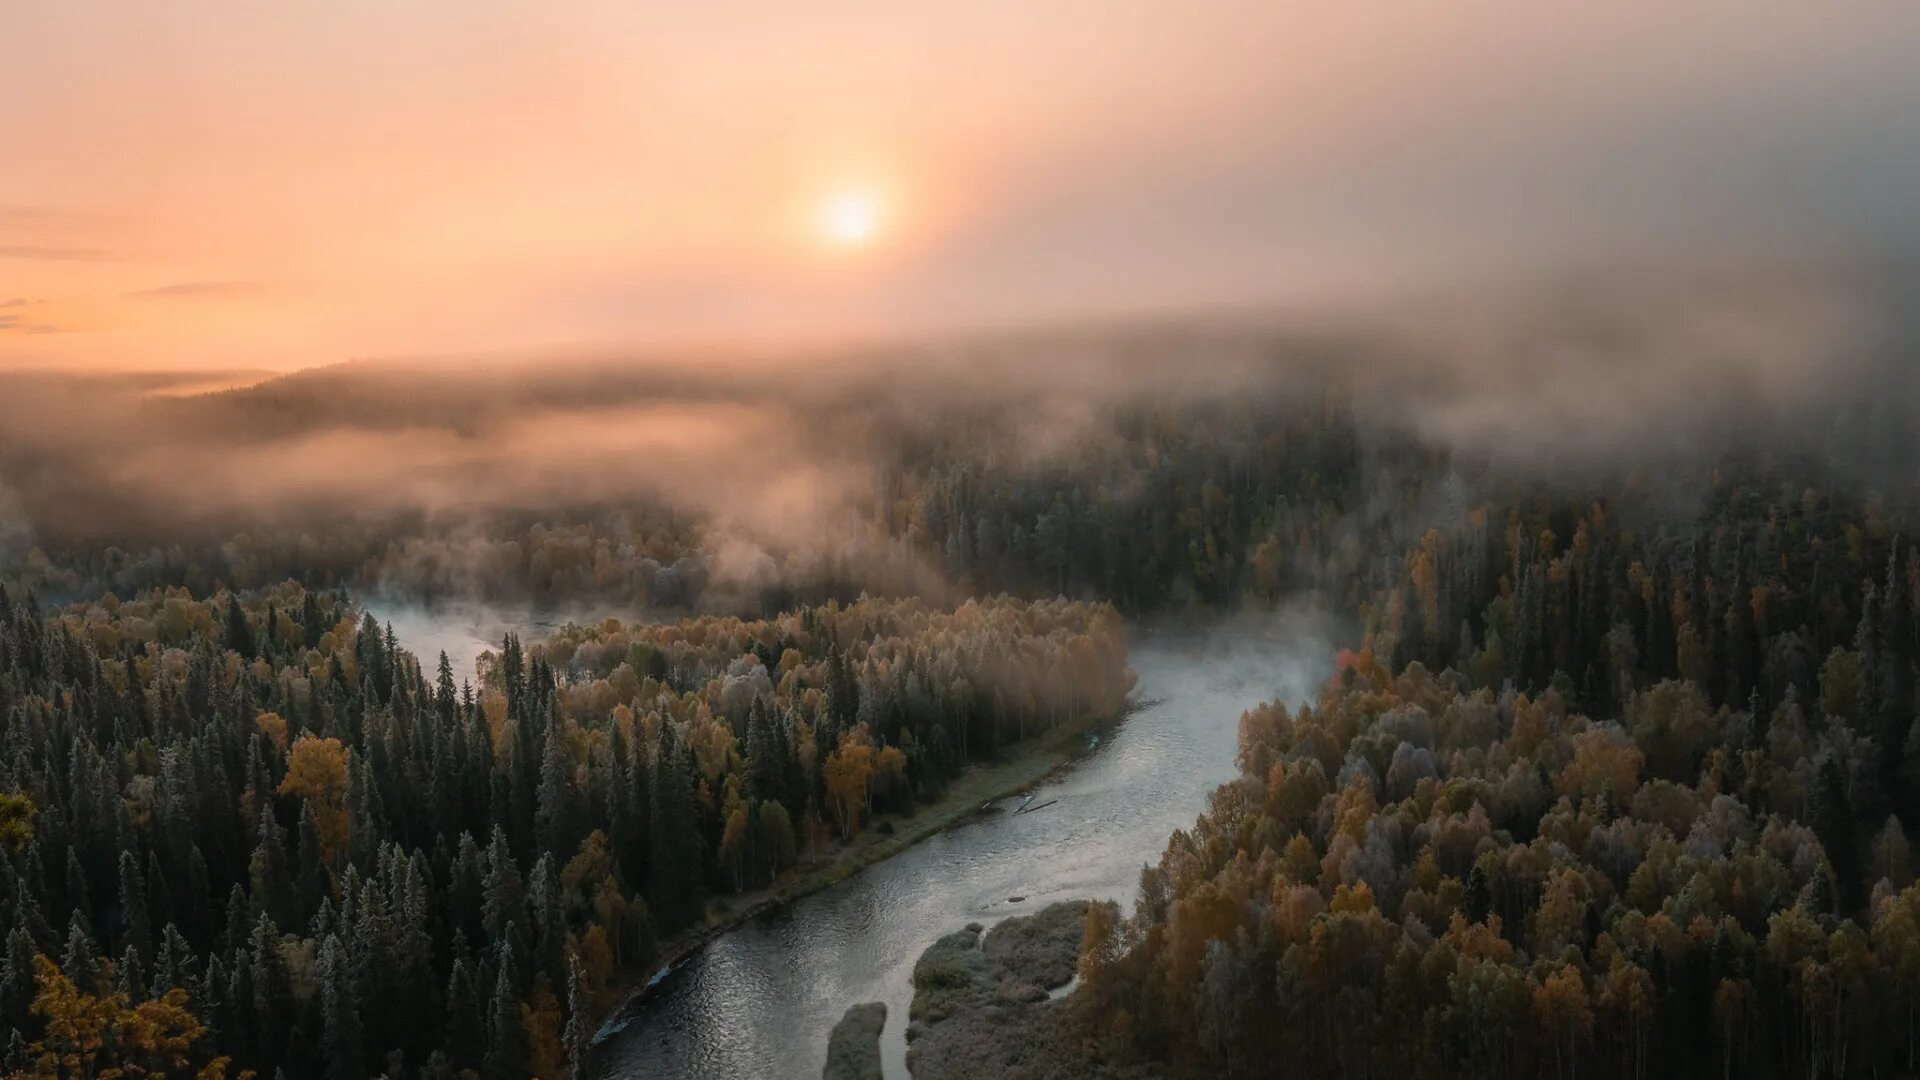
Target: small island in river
[(985, 1003)]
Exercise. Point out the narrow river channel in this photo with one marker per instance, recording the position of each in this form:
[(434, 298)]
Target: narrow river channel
[(759, 1000)]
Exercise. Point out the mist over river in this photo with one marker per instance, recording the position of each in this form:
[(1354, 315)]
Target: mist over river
[(464, 631), (759, 1001)]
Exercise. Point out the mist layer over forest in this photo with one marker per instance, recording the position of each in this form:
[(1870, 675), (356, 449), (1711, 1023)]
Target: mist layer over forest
[(720, 481)]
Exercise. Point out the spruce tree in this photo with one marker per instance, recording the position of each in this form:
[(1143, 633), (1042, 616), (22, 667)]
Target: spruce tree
[(272, 990), (132, 975), (506, 1057), (239, 631), (549, 919), (272, 883), (504, 897), (1833, 823), (673, 870), (311, 880), (135, 932), (340, 1012), (579, 1032), (80, 961), (556, 813), (466, 1013), (17, 988)]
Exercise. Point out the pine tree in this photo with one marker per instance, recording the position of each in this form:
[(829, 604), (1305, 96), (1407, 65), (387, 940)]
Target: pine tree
[(843, 695), (132, 973), (556, 814), (1833, 822), (339, 1011), (239, 631), (631, 809), (766, 764), (506, 1057), (160, 909), (311, 622), (268, 871), (549, 919), (672, 868), (80, 962), (79, 893), (136, 934), (174, 964), (366, 818), (272, 991), (504, 902), (512, 674), (444, 702), (311, 881), (16, 979), (579, 1033), (466, 1014)]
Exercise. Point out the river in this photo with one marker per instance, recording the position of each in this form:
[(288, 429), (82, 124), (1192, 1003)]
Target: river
[(759, 1000)]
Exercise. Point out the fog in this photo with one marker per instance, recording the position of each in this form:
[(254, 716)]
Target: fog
[(766, 460)]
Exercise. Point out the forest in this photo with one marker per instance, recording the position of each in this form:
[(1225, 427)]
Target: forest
[(253, 835), (1598, 792), (1622, 750)]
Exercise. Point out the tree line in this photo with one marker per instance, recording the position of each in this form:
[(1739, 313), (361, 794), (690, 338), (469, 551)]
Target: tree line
[(247, 833), (1174, 506)]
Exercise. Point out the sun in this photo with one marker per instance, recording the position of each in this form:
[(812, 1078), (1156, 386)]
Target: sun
[(850, 218)]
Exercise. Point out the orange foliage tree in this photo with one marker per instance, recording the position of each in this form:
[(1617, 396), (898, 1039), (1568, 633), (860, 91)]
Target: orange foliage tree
[(317, 773)]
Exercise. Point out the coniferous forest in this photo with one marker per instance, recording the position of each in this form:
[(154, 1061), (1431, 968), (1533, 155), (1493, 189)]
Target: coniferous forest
[(256, 835), (1647, 811), (1617, 772)]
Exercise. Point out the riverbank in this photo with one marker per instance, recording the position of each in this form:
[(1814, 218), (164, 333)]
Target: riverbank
[(1025, 766)]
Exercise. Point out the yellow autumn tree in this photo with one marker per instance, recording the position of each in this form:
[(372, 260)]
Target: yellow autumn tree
[(104, 1039), (1565, 1015), (317, 773), (274, 727), (849, 771), (17, 813), (1605, 759), (735, 837)]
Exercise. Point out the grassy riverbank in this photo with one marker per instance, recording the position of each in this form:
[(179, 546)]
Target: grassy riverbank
[(1023, 766)]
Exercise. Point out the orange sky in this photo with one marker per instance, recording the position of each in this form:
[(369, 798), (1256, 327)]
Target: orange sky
[(200, 184)]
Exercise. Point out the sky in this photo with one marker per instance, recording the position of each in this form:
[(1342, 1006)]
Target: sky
[(208, 185)]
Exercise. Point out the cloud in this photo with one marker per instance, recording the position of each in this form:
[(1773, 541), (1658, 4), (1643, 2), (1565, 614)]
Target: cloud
[(202, 290), (14, 323), (18, 316)]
